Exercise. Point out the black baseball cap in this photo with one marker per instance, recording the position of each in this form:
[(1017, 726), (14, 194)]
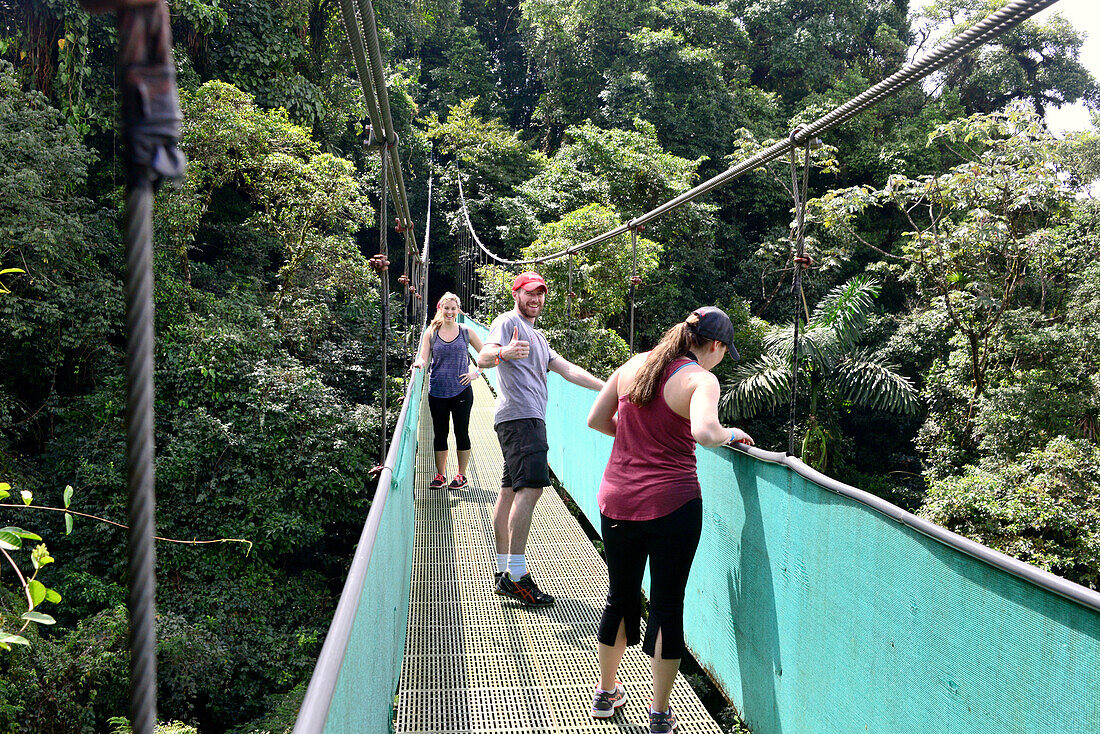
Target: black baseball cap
[(715, 324)]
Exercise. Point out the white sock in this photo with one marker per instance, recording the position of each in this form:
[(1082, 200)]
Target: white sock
[(502, 562), (517, 565)]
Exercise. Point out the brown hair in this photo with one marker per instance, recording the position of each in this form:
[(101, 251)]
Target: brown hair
[(675, 343)]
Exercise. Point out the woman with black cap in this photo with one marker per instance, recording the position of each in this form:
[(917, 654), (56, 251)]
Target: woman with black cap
[(657, 405)]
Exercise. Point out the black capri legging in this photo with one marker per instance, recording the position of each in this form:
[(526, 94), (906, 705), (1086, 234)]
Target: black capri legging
[(442, 409), (669, 543)]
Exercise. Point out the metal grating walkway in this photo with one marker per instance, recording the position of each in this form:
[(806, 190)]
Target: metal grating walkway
[(475, 662)]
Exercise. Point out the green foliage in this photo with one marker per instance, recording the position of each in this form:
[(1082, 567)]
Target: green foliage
[(600, 281), (836, 374), (30, 592), (984, 222), (1036, 62), (70, 685), (60, 317), (1043, 508)]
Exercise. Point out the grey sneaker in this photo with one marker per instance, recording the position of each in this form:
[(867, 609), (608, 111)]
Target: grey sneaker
[(605, 704), (496, 583), (662, 723)]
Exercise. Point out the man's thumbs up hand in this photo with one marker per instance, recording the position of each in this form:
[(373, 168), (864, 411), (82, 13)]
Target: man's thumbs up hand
[(515, 349)]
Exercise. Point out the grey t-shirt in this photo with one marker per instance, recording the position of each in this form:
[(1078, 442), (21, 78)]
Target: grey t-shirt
[(521, 382)]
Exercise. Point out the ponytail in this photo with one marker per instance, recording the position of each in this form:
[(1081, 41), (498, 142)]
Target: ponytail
[(676, 342)]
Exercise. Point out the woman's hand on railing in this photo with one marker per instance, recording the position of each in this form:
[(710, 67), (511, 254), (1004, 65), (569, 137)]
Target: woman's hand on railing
[(739, 436), (418, 364)]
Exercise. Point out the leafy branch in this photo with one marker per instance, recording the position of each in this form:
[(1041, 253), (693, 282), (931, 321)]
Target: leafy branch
[(12, 539)]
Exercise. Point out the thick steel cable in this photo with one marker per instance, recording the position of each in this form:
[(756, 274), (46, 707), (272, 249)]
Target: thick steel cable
[(141, 509), (422, 283), (150, 121), (995, 25), (376, 98), (569, 309), (797, 259), (633, 280), (383, 249), (409, 285), (385, 119)]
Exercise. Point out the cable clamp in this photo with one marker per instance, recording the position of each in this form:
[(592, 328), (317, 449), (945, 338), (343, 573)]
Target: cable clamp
[(379, 263), (373, 141)]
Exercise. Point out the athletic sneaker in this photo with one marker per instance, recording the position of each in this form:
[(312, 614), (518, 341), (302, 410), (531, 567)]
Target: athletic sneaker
[(459, 482), (605, 704), (524, 590), (438, 482), (496, 583), (662, 723)]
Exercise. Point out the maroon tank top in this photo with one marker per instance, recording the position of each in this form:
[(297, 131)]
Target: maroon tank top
[(652, 467)]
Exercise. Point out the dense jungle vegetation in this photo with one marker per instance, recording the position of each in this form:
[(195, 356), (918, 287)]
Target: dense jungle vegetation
[(951, 357)]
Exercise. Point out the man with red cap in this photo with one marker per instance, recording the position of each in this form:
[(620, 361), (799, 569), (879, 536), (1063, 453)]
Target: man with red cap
[(522, 357)]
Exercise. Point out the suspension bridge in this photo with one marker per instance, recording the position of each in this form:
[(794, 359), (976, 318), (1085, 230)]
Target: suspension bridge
[(815, 606)]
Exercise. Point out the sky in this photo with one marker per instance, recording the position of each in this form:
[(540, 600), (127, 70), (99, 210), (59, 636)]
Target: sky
[(1085, 16)]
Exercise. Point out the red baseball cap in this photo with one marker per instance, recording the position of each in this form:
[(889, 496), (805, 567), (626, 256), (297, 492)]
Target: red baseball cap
[(529, 281)]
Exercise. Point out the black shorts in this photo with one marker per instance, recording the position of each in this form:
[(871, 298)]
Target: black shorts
[(523, 443)]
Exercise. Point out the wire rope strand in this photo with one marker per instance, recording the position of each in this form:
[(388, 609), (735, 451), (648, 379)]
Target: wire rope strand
[(569, 308), (383, 249), (422, 281), (378, 74), (633, 280), (139, 457), (150, 118), (798, 229)]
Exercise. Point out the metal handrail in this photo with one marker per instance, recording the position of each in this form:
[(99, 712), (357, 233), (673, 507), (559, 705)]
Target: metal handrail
[(1014, 566), (313, 715)]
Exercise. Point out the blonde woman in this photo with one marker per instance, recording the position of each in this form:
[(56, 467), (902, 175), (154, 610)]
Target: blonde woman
[(657, 406), (447, 344)]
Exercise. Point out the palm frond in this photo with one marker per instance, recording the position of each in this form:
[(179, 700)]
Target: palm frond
[(758, 386), (869, 383), (818, 345), (844, 309)]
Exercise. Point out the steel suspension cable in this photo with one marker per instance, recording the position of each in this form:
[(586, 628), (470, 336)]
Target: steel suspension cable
[(383, 252), (367, 57), (151, 119), (984, 31), (422, 282), (798, 261), (633, 279)]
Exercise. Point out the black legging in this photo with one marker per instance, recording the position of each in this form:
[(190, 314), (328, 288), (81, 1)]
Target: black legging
[(669, 543), (442, 409)]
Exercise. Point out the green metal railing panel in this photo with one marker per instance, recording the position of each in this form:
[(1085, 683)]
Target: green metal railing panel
[(355, 680), (364, 696), (818, 612)]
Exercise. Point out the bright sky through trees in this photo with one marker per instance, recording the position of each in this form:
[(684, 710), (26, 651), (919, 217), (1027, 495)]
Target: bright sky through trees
[(1084, 15)]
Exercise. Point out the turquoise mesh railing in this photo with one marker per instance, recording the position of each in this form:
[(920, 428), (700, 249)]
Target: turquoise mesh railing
[(819, 608), (353, 685)]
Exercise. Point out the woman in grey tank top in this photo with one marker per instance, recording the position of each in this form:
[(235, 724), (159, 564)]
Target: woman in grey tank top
[(447, 345)]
